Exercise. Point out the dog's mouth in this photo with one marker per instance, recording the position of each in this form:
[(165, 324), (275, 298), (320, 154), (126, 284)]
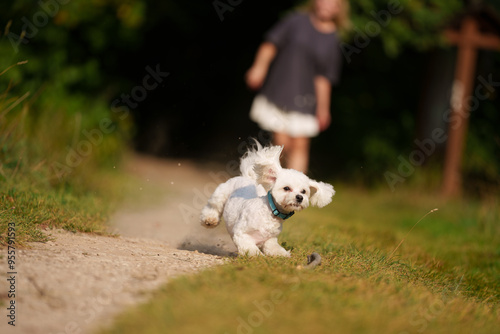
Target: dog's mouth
[(295, 206)]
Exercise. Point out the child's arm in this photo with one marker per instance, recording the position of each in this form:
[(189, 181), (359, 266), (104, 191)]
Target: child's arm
[(323, 90), (256, 75)]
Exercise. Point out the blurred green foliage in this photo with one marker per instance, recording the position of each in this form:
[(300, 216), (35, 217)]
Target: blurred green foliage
[(404, 23), (65, 87), (81, 55), (377, 108), (56, 163)]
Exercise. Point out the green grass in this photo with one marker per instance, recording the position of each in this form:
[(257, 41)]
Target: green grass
[(34, 207), (30, 202), (444, 278), (37, 132)]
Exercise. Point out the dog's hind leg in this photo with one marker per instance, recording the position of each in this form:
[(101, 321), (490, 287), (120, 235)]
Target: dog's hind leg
[(212, 212)]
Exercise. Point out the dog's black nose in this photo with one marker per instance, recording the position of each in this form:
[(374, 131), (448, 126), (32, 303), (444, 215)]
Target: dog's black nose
[(299, 198)]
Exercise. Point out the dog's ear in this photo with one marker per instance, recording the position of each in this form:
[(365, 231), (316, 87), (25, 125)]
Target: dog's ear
[(266, 175), (262, 164), (266, 164), (321, 193)]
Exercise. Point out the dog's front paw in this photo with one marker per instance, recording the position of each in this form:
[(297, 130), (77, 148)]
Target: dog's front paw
[(272, 248), (250, 252), (277, 252), (209, 217)]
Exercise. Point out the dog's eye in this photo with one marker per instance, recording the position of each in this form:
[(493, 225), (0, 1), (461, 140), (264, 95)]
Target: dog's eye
[(286, 189), (303, 191)]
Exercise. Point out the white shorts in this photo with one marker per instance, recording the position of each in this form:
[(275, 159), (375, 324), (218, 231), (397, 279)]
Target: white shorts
[(271, 118)]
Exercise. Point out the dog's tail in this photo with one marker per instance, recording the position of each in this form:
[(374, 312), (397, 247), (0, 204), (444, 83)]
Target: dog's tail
[(260, 156)]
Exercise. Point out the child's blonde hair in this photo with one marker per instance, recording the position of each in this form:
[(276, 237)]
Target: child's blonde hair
[(342, 21)]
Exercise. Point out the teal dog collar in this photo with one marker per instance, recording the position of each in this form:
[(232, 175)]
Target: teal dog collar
[(275, 210)]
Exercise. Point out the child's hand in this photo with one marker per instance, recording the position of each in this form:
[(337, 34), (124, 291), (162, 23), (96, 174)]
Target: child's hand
[(324, 118), (255, 77)]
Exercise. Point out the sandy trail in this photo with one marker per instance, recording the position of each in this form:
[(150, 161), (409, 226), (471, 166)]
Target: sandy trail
[(174, 220), (76, 283)]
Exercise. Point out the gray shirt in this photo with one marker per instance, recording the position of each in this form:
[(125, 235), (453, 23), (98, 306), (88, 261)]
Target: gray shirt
[(303, 53)]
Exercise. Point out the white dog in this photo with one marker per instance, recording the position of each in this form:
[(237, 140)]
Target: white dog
[(255, 204)]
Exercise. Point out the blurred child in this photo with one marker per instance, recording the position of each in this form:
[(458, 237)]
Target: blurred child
[(294, 69)]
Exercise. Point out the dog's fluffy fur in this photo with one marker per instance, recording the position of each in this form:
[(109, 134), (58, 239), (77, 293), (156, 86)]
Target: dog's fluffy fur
[(243, 202)]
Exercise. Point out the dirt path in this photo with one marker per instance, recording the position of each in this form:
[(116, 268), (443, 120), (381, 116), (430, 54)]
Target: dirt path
[(76, 283)]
